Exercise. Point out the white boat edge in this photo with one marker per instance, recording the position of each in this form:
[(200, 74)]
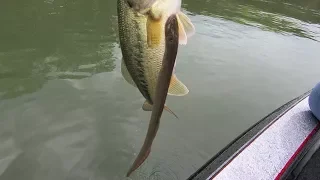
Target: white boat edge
[(268, 148)]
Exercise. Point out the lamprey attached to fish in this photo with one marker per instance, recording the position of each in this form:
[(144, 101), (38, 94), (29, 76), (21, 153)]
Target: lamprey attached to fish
[(171, 49), (143, 41)]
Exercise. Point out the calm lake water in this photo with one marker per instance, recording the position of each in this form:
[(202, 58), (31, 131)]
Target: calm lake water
[(67, 113)]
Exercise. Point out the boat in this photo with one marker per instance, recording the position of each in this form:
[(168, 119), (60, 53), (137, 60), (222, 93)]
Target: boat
[(283, 145)]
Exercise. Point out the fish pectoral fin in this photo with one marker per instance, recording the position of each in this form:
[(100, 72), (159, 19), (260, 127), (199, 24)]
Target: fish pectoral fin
[(182, 34), (188, 27), (176, 87), (148, 107), (153, 32), (126, 75)]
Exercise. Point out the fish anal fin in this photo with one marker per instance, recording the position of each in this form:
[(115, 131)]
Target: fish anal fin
[(188, 27), (154, 32), (148, 107), (177, 88), (126, 75)]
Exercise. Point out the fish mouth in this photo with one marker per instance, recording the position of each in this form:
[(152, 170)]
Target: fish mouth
[(141, 6)]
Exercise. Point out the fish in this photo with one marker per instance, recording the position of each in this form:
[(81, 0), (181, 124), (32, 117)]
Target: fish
[(142, 43), (163, 82)]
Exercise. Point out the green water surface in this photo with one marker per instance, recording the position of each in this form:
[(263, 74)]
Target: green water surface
[(67, 113)]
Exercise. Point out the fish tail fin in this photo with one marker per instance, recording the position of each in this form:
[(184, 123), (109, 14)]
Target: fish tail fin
[(148, 107)]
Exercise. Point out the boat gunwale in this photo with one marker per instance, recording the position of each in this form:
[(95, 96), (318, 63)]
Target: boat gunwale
[(215, 164), (303, 157)]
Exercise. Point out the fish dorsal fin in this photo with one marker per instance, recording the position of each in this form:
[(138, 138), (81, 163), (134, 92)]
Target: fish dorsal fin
[(188, 27), (126, 75), (148, 107), (177, 88)]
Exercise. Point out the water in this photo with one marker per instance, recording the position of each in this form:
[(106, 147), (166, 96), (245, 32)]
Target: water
[(67, 113)]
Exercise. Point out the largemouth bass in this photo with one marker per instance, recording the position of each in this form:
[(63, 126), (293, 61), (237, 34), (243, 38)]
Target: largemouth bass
[(143, 45)]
